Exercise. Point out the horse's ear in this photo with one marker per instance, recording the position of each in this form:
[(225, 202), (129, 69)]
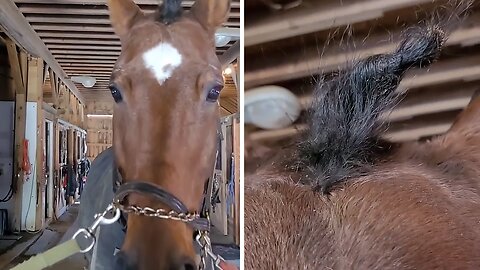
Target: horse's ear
[(123, 14), (211, 13)]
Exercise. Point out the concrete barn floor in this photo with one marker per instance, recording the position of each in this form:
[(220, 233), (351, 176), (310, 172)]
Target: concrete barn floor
[(51, 236)]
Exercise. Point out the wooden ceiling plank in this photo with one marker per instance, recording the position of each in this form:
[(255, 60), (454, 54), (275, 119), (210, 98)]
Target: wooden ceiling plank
[(82, 35), (83, 19), (86, 61), (77, 52), (20, 30), (407, 134), (73, 28), (91, 57), (91, 64), (89, 67), (84, 47), (90, 11), (71, 41), (306, 64), (462, 69), (316, 17), (230, 55), (185, 3)]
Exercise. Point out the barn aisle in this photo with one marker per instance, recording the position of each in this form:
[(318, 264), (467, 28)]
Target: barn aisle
[(51, 236)]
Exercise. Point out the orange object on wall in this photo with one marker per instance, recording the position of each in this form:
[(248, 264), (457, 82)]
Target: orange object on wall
[(26, 168)]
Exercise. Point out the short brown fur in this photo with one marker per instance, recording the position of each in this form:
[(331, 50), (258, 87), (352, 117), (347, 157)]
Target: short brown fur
[(418, 210)]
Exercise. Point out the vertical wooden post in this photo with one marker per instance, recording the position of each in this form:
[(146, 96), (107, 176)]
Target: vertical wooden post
[(70, 153), (223, 182), (20, 125), (18, 69), (236, 153), (35, 94), (53, 85), (56, 166)]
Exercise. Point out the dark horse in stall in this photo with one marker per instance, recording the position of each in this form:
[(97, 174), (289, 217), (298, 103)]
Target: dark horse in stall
[(351, 200), (165, 84)]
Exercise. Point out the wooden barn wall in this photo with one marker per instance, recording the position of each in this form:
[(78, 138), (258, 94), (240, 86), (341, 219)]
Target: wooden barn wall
[(99, 136), (99, 130)]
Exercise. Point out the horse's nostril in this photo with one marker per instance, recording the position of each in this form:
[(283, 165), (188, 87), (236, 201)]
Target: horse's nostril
[(189, 267), (187, 264), (122, 262)]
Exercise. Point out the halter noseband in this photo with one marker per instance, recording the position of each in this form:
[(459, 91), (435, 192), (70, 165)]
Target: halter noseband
[(178, 211)]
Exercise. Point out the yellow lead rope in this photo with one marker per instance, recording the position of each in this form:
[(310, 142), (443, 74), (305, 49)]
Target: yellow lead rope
[(70, 247), (50, 257)]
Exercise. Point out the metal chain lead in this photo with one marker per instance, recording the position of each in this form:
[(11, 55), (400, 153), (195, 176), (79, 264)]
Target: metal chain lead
[(203, 238), (158, 213)]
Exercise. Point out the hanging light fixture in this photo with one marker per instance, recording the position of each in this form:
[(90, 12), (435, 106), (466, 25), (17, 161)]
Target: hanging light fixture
[(224, 35), (271, 107), (86, 81), (227, 71)]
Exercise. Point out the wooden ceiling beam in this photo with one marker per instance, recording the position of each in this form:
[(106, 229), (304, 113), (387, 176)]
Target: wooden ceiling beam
[(91, 64), (73, 28), (421, 126), (82, 53), (89, 20), (93, 46), (71, 41), (98, 78), (185, 3), (98, 71), (86, 61), (82, 57), (230, 55), (461, 69), (411, 133), (435, 102), (305, 64), (88, 68), (79, 52), (93, 71), (319, 15), (99, 91), (89, 11), (80, 35), (417, 106), (20, 30)]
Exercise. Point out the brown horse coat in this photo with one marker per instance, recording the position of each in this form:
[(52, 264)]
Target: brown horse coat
[(420, 210), (351, 201)]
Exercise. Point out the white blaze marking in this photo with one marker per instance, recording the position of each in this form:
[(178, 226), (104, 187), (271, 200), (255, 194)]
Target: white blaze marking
[(162, 60)]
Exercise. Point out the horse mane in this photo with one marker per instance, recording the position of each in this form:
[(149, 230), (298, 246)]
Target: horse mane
[(344, 136), (169, 11)]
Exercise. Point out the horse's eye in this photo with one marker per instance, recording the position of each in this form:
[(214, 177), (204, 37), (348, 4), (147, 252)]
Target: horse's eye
[(214, 93), (116, 94)]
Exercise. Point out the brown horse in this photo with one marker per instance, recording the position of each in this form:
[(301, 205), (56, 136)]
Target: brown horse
[(349, 200), (165, 84)]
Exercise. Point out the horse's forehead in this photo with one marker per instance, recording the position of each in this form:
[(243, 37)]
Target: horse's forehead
[(162, 60)]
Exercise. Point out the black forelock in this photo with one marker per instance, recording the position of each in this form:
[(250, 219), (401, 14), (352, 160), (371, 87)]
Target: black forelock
[(169, 11)]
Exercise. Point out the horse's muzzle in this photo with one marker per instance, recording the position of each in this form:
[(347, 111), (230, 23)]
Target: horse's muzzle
[(124, 262)]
